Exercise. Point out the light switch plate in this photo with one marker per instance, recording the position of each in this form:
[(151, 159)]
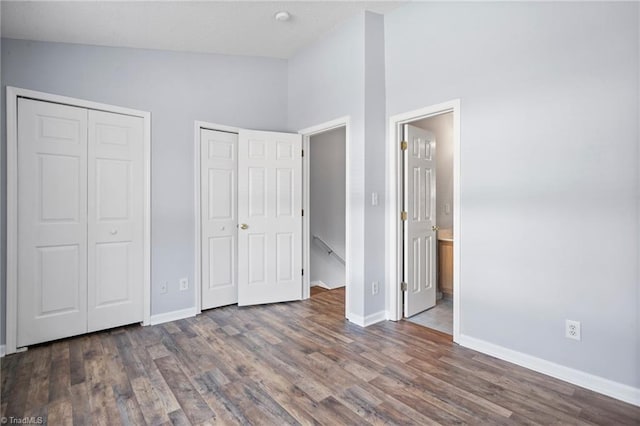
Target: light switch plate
[(184, 284)]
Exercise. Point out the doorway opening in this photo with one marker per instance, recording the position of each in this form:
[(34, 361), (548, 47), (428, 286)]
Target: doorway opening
[(326, 214), (436, 135), (424, 219), (326, 243)]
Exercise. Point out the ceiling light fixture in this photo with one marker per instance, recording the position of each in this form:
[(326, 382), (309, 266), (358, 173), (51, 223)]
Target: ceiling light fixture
[(282, 16)]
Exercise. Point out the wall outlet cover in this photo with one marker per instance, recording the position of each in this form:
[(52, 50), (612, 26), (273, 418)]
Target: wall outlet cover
[(572, 330)]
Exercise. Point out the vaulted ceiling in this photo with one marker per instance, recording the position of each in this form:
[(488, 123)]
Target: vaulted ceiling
[(225, 27)]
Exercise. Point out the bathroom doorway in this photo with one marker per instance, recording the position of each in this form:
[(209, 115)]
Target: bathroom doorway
[(428, 192), (423, 229)]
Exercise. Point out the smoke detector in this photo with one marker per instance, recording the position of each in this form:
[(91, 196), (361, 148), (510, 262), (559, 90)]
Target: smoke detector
[(282, 16)]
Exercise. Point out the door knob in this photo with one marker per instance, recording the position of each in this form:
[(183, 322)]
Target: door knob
[(244, 226), (113, 231), (435, 228)]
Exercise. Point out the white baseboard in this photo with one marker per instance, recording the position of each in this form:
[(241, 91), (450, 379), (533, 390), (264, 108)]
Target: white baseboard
[(322, 284), (598, 384), (368, 320), (173, 316), (2, 350)]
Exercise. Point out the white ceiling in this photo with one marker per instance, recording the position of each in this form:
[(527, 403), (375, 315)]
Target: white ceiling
[(226, 27)]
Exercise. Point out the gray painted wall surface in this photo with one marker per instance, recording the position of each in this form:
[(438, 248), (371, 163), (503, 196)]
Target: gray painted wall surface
[(375, 163), (327, 81), (442, 127), (177, 88), (327, 205), (549, 187)]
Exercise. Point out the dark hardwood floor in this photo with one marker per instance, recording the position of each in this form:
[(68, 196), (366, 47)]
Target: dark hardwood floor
[(290, 363)]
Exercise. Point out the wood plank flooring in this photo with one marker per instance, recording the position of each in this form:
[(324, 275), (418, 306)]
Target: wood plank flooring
[(289, 363)]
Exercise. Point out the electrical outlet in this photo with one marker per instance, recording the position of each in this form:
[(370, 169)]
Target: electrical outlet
[(184, 284), (374, 287), (163, 288), (572, 330)]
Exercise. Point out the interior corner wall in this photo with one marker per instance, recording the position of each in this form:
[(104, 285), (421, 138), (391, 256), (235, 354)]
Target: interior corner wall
[(177, 88), (549, 168), (326, 83)]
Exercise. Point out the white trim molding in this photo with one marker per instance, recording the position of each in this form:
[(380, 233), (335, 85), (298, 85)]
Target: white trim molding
[(173, 316), (197, 273), (369, 319), (592, 382), (322, 284), (306, 226), (393, 231), (12, 96)]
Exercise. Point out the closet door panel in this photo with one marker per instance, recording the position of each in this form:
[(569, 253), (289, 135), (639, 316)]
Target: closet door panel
[(115, 220), (52, 221), (218, 203)]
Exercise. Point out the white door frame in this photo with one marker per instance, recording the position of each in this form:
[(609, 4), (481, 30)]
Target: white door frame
[(13, 93), (197, 273), (393, 235), (306, 230)]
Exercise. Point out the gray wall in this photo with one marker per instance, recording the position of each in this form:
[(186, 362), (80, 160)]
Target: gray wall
[(325, 83), (442, 127), (549, 151), (177, 88), (327, 205), (327, 80)]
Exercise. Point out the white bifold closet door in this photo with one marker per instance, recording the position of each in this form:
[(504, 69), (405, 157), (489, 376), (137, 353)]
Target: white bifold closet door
[(80, 220), (420, 226), (219, 217), (269, 217), (115, 220), (52, 221)]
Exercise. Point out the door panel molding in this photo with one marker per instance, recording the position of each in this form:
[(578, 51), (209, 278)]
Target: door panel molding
[(13, 94), (270, 211), (419, 228), (229, 154), (218, 284)]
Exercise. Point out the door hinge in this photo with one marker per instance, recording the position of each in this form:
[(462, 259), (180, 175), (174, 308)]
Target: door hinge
[(302, 212), (403, 286), (303, 152), (404, 145), (303, 272), (403, 216)]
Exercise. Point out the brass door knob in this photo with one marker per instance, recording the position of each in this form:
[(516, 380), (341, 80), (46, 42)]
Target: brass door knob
[(244, 226), (435, 228)]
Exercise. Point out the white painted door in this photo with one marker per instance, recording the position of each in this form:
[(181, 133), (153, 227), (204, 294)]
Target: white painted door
[(270, 217), (52, 221), (218, 212), (420, 226), (115, 219)]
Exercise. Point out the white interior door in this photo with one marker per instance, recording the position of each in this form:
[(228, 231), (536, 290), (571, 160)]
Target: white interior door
[(270, 217), (420, 226), (115, 219), (218, 212), (52, 221)]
